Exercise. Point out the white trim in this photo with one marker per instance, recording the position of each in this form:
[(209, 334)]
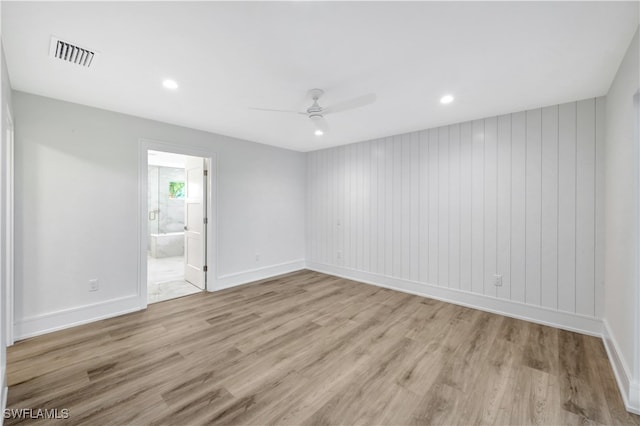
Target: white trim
[(9, 221), (239, 278), (538, 314), (66, 318), (4, 392), (143, 201), (634, 398), (634, 386), (144, 145), (629, 389)]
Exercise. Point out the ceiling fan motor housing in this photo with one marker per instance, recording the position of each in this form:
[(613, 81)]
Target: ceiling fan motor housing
[(315, 110)]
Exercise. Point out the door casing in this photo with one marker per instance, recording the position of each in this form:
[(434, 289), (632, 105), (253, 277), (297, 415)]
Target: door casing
[(8, 170)]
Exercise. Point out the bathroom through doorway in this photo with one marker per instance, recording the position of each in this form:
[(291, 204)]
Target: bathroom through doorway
[(176, 220)]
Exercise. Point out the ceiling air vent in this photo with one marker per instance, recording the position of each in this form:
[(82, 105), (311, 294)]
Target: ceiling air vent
[(71, 53)]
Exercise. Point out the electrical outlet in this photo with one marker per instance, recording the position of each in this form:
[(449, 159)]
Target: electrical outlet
[(497, 280), (257, 257), (339, 254), (93, 285)]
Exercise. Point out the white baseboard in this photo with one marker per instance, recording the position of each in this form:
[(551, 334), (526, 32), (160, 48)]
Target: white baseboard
[(634, 398), (564, 320), (4, 391), (54, 321), (244, 277), (629, 389)]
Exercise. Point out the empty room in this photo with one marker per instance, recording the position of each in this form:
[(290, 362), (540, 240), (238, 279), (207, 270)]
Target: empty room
[(320, 212)]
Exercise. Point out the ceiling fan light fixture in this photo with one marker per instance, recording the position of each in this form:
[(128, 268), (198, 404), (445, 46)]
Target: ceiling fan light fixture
[(316, 113)]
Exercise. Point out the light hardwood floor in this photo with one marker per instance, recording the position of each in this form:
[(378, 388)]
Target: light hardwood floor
[(308, 348)]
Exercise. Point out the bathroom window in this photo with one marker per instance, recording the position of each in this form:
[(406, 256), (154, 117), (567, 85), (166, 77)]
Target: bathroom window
[(176, 189)]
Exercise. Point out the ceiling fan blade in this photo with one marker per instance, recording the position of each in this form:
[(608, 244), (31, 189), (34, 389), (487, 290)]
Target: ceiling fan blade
[(278, 110), (358, 102), (320, 124)]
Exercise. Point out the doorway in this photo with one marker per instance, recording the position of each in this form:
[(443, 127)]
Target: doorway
[(176, 225)]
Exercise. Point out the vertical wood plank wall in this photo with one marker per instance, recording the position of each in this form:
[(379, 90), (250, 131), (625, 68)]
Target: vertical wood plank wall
[(518, 195)]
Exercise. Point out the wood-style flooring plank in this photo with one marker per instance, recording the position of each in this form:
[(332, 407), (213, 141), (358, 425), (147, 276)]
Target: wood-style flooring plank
[(309, 348)]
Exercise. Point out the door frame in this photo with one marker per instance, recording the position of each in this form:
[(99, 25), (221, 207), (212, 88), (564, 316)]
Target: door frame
[(8, 169), (634, 397), (210, 246)]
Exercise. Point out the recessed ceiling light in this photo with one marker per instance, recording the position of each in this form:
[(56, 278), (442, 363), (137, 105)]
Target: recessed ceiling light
[(170, 84), (319, 132), (446, 99)]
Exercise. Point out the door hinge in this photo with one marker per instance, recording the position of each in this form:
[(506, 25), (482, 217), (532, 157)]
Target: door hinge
[(206, 172), (205, 220), (204, 268)]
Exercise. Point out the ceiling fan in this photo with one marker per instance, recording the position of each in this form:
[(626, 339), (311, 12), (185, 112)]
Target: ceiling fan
[(316, 113)]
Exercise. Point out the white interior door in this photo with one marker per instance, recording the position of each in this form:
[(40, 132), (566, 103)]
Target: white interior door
[(194, 230)]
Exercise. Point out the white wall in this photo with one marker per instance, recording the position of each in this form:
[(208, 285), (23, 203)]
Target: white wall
[(439, 212), (6, 110), (622, 306), (77, 209)]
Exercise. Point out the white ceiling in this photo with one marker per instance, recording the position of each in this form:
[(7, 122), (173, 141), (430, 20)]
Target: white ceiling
[(494, 58)]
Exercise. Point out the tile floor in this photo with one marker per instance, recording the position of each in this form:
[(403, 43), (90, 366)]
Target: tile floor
[(165, 279)]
